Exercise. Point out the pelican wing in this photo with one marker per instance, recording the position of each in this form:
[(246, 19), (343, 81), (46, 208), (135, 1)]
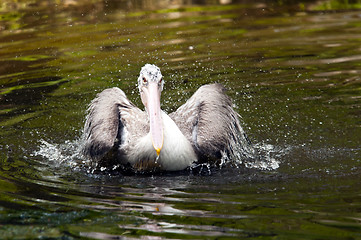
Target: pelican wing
[(103, 126), (209, 122)]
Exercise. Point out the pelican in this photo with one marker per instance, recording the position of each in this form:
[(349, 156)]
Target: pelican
[(204, 129)]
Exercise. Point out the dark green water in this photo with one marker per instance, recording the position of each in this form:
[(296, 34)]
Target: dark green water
[(292, 68)]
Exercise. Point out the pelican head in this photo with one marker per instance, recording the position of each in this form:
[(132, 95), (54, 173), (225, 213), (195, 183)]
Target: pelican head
[(150, 84)]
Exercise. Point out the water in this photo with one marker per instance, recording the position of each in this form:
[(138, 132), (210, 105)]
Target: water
[(292, 69)]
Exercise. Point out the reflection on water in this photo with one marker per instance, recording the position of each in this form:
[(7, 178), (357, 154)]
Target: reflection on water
[(292, 69)]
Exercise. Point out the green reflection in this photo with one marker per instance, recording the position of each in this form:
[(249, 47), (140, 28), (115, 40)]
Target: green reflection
[(338, 5), (292, 72)]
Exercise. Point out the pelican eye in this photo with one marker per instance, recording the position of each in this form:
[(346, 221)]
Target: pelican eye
[(160, 81), (145, 81)]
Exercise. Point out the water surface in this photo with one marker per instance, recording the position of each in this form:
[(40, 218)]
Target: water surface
[(292, 70)]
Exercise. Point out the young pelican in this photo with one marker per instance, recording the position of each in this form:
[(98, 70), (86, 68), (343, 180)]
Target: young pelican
[(205, 128)]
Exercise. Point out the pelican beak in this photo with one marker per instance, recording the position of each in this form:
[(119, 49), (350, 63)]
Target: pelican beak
[(155, 118)]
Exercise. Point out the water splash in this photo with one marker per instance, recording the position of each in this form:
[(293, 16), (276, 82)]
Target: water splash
[(266, 156), (68, 154), (65, 154)]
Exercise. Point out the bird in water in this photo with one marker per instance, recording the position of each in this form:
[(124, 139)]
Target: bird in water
[(205, 129)]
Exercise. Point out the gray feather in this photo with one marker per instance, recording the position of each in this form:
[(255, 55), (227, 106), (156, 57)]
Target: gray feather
[(103, 122), (210, 123)]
